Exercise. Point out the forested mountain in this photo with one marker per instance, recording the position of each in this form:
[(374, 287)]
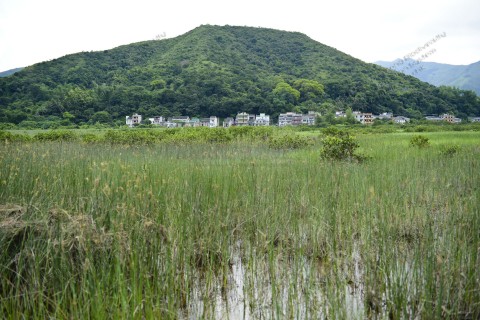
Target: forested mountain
[(465, 77), (9, 72), (217, 70)]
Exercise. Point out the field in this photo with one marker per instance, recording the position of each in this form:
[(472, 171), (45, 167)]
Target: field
[(239, 227)]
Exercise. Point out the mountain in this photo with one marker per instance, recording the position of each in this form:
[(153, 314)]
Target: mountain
[(464, 77), (9, 72), (217, 70)]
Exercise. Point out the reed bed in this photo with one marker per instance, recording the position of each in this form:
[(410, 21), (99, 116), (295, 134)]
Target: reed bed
[(241, 229)]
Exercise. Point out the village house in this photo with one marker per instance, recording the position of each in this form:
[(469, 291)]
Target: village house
[(340, 114), (251, 119), (384, 116), (289, 119), (262, 120), (363, 118), (444, 117), (179, 121), (309, 118), (241, 119), (134, 120), (433, 118), (450, 118), (157, 120), (193, 122), (211, 122), (228, 122), (400, 120)]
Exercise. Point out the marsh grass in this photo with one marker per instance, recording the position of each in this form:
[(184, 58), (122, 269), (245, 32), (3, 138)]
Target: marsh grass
[(101, 230)]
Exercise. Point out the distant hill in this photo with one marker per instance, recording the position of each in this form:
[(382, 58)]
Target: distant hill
[(460, 76), (217, 70), (9, 72)]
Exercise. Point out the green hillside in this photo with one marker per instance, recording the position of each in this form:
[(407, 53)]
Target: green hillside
[(9, 72), (214, 70), (465, 77)]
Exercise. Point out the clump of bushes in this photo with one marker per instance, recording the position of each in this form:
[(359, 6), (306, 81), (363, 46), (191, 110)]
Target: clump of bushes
[(6, 136), (450, 150), (56, 135), (91, 138), (251, 133), (419, 141), (340, 146), (289, 141), (128, 137)]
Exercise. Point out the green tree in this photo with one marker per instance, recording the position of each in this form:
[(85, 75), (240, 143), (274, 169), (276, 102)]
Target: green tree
[(101, 117), (309, 89), (285, 92), (350, 118)]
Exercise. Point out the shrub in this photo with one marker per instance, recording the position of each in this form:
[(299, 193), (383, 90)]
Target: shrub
[(5, 136), (450, 150), (340, 146), (91, 138), (56, 135), (419, 141), (251, 133), (288, 141), (134, 136)]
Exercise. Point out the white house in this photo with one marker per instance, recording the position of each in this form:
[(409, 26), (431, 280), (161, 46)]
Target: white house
[(450, 118), (309, 118), (444, 117), (134, 120), (433, 118), (262, 119), (363, 118), (289, 119), (340, 114), (384, 116), (400, 119), (228, 122), (241, 119), (211, 122), (157, 120)]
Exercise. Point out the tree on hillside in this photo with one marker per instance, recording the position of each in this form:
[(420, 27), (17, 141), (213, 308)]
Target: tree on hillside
[(101, 117), (285, 92), (309, 89)]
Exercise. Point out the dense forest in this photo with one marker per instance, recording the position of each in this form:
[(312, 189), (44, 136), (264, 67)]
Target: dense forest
[(220, 71)]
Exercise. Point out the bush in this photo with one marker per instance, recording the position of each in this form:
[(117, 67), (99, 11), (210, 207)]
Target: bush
[(9, 137), (251, 133), (419, 141), (288, 141), (5, 136), (340, 146), (91, 138), (450, 150), (56, 135), (134, 136)]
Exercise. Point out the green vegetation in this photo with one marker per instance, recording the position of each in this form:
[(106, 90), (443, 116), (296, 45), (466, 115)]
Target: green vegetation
[(340, 146), (450, 150), (214, 70), (189, 229), (419, 141)]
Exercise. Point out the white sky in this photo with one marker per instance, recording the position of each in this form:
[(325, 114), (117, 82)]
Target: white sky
[(32, 31)]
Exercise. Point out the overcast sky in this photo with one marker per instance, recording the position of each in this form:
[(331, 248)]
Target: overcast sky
[(32, 31)]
